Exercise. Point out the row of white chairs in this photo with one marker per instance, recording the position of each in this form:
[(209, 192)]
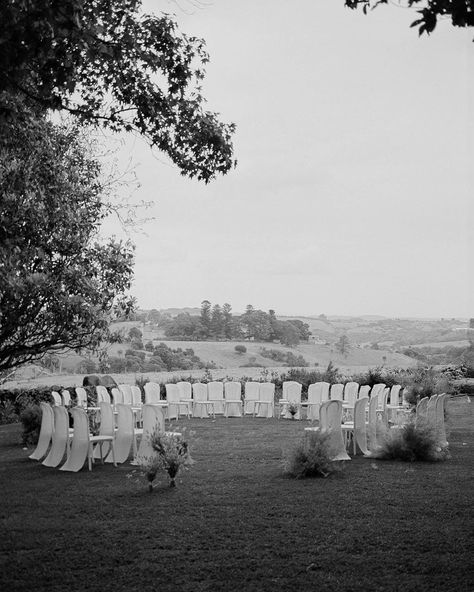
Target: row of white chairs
[(365, 430), (114, 443)]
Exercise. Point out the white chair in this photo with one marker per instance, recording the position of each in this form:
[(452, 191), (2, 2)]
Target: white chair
[(102, 395), (440, 422), (357, 429), (127, 393), (186, 395), (117, 396), (136, 395), (377, 388), (152, 393), (422, 410), (233, 405), (153, 419), (318, 392), (56, 398), (201, 405), (172, 397), (331, 421), (337, 392), (46, 432), (265, 406), (107, 423), (215, 393), (125, 435), (374, 426), (291, 393), (252, 394), (364, 391), (351, 390), (66, 397), (82, 445), (60, 437), (431, 410), (81, 396)]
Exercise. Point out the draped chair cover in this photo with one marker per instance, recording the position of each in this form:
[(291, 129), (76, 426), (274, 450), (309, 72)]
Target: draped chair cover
[(46, 432), (266, 406), (215, 393), (233, 399), (60, 437), (252, 393)]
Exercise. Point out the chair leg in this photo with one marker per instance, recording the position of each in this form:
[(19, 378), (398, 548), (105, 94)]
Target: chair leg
[(89, 456), (112, 445)]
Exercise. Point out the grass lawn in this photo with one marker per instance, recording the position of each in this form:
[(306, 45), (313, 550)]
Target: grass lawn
[(234, 522)]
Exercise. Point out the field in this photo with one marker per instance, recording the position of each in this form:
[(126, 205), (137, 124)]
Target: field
[(234, 522)]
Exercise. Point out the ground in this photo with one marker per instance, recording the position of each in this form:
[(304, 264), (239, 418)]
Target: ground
[(234, 522)]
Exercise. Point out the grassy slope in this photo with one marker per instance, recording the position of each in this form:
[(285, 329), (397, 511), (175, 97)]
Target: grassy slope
[(235, 523)]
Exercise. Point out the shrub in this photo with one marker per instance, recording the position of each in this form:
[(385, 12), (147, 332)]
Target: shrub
[(311, 457), (240, 349), (7, 413), (414, 441), (31, 421)]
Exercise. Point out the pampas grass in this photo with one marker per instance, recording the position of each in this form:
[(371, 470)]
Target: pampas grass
[(414, 441), (311, 457)]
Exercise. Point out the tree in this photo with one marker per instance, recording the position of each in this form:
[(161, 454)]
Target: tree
[(206, 317), (343, 345), (59, 286), (240, 349), (134, 333), (227, 320), (107, 63), (217, 321), (287, 333), (461, 12), (303, 329)]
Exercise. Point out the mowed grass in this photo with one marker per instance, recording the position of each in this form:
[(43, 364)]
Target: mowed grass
[(234, 522)]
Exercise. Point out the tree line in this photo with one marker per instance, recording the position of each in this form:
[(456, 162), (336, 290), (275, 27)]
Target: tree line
[(217, 322)]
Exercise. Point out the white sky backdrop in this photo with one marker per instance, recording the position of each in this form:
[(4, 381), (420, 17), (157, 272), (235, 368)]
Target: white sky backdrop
[(354, 181)]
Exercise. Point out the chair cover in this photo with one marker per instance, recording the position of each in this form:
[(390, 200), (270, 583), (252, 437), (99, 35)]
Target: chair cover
[(351, 390), (337, 392), (46, 432), (80, 441), (66, 396), (394, 398), (117, 396), (440, 423), (106, 428), (317, 394), (153, 418), (252, 393), (152, 393), (291, 392), (422, 410), (266, 406), (172, 397), (56, 398), (233, 399), (102, 395), (215, 393), (125, 434), (60, 437), (127, 393), (136, 396), (359, 426), (200, 401), (363, 391), (81, 396)]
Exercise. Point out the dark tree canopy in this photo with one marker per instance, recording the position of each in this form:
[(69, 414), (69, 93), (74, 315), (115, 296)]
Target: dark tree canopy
[(59, 286), (108, 62), (460, 12)]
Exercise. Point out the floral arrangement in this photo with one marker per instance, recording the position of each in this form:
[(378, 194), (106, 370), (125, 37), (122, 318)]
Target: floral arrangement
[(292, 409), (94, 422), (170, 454)]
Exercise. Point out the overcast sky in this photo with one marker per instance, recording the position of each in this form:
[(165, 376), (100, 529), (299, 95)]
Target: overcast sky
[(352, 191)]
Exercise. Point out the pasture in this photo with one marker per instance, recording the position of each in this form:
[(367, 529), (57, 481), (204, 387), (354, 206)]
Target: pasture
[(234, 522)]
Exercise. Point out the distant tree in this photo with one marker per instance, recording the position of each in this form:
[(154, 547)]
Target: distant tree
[(217, 321), (149, 346), (303, 329), (240, 349), (134, 333), (287, 333), (206, 317), (273, 324), (186, 326), (461, 12), (227, 320), (256, 324), (343, 345)]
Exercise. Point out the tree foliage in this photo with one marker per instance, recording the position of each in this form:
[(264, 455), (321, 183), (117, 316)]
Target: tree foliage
[(461, 12), (107, 62), (59, 286)]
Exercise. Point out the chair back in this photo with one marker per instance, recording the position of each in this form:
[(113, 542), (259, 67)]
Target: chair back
[(56, 398), (232, 390), (124, 435), (215, 392), (102, 394), (377, 388), (337, 392), (422, 409), (316, 393), (395, 395), (81, 396), (199, 391), (117, 396), (267, 395), (251, 393), (360, 426), (46, 432), (431, 409), (106, 419), (152, 393), (290, 386), (440, 424), (185, 390), (80, 441), (66, 396), (136, 396), (153, 419), (127, 393), (59, 438), (364, 391), (351, 390)]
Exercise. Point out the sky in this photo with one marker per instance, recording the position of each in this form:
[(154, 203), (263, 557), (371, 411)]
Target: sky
[(353, 189)]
